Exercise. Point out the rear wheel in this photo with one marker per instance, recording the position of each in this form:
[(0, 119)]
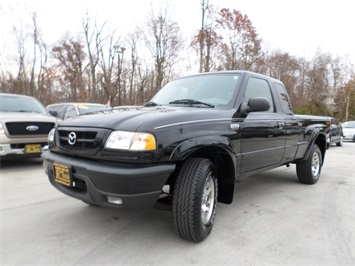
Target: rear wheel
[(194, 199), (308, 171), (340, 142)]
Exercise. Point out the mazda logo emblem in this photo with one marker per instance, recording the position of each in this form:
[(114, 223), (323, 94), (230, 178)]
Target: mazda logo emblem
[(72, 138)]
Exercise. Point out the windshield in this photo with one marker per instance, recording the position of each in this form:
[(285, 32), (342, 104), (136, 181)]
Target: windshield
[(214, 89), (349, 124), (15, 103), (87, 108)]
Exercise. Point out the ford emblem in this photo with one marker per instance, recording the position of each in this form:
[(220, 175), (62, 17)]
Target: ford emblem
[(32, 128), (72, 138)]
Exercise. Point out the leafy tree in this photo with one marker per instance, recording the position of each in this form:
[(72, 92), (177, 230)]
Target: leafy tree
[(207, 39), (241, 46), (345, 101), (283, 66)]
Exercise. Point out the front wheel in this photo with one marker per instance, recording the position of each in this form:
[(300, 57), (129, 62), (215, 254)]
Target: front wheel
[(308, 171), (194, 199)]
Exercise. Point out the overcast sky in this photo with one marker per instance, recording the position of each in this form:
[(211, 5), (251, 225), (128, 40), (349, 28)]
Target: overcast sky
[(295, 26)]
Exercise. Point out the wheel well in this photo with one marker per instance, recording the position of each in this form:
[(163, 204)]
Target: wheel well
[(225, 171)]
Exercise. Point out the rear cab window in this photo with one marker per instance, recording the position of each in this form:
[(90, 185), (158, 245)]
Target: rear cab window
[(285, 102)]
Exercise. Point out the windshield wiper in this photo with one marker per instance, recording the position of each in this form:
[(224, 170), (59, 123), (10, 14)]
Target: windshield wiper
[(149, 104), (190, 102)]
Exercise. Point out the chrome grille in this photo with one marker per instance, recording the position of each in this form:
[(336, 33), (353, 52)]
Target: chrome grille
[(84, 139)]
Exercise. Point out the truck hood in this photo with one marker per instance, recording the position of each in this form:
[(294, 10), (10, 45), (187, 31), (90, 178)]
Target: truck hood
[(148, 118), (26, 117)]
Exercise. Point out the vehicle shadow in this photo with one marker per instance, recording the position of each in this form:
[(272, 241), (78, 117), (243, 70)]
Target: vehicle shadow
[(15, 163)]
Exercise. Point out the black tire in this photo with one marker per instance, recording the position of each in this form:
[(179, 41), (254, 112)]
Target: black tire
[(340, 142), (194, 199), (308, 171)]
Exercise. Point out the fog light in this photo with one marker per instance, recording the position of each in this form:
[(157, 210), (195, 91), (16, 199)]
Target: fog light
[(114, 200)]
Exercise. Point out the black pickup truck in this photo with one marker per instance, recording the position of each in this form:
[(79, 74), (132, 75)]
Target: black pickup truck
[(186, 148)]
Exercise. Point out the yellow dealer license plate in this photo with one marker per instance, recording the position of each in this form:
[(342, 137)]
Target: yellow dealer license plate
[(62, 174), (33, 148)]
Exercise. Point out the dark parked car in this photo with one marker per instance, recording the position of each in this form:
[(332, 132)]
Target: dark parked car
[(335, 133), (349, 130), (66, 110)]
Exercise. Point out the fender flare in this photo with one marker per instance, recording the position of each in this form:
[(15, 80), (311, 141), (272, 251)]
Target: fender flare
[(189, 146), (219, 147), (317, 135)]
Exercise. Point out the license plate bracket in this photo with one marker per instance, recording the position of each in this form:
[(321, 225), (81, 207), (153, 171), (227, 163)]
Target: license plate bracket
[(63, 174)]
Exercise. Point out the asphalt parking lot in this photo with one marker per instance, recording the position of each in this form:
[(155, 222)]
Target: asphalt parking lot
[(274, 219)]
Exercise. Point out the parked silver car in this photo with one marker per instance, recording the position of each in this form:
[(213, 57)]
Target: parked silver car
[(24, 126), (65, 110), (349, 130)]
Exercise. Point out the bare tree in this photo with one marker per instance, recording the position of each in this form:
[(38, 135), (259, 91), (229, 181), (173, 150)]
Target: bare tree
[(44, 78), (20, 85), (132, 95), (110, 73), (144, 75), (35, 43), (163, 39), (39, 71), (93, 41), (319, 83), (71, 57)]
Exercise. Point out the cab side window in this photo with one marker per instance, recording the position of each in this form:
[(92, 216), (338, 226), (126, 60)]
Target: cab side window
[(257, 87)]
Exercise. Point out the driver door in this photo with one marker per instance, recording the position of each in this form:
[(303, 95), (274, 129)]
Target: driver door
[(262, 133)]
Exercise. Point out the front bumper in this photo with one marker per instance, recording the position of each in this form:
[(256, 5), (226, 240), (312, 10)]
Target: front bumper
[(18, 150), (348, 136), (97, 183)]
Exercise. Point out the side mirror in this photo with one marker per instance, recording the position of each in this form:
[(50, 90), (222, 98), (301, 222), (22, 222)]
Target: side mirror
[(53, 113), (258, 104), (255, 104)]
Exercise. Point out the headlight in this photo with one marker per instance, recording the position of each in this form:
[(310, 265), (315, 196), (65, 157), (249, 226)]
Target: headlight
[(2, 130), (132, 141), (51, 135)]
